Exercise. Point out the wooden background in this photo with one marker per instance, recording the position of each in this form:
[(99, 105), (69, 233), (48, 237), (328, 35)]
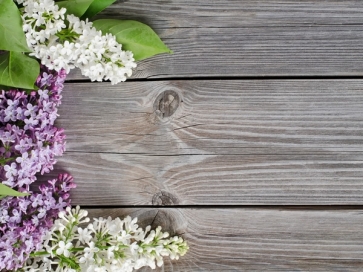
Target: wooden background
[(260, 167)]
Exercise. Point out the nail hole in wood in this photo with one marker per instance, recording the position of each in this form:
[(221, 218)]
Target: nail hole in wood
[(166, 103)]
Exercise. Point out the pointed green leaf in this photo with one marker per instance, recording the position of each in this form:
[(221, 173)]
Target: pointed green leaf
[(75, 7), (18, 70), (12, 36), (7, 191), (134, 36), (96, 7)]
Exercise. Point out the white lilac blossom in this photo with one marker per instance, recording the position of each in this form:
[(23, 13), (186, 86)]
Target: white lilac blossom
[(25, 221), (62, 41), (107, 245), (29, 141)]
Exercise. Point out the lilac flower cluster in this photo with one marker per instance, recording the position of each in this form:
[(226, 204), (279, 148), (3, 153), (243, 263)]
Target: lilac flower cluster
[(29, 141), (24, 221)]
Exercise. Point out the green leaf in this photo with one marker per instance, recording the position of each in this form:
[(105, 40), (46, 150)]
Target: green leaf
[(18, 70), (96, 7), (12, 36), (134, 36), (75, 7), (7, 191)]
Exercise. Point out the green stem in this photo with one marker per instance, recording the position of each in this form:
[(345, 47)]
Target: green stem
[(4, 161), (39, 253)]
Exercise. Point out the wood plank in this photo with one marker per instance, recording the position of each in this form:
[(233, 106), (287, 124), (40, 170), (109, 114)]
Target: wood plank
[(259, 239), (249, 38), (216, 117), (229, 142), (206, 180), (237, 13)]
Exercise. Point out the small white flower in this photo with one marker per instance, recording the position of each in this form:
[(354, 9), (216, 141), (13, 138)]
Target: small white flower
[(84, 235), (63, 248), (91, 249), (110, 252), (86, 260)]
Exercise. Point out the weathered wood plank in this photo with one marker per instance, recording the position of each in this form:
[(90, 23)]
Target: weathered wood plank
[(249, 38), (258, 239), (216, 117), (116, 179), (237, 13), (229, 142)]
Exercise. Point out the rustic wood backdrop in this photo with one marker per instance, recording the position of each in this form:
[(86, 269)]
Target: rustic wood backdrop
[(248, 140)]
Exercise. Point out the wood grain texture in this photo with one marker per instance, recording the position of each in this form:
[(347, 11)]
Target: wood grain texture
[(229, 142), (259, 239), (249, 38)]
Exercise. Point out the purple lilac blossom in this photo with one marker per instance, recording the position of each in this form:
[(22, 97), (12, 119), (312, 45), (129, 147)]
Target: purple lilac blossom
[(29, 141), (25, 220)]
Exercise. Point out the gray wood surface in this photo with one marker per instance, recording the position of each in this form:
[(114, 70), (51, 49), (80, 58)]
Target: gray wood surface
[(249, 38), (229, 142), (259, 239), (212, 128)]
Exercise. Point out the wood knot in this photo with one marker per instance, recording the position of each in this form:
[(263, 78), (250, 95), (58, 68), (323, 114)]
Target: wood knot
[(164, 198), (171, 220), (166, 103)]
